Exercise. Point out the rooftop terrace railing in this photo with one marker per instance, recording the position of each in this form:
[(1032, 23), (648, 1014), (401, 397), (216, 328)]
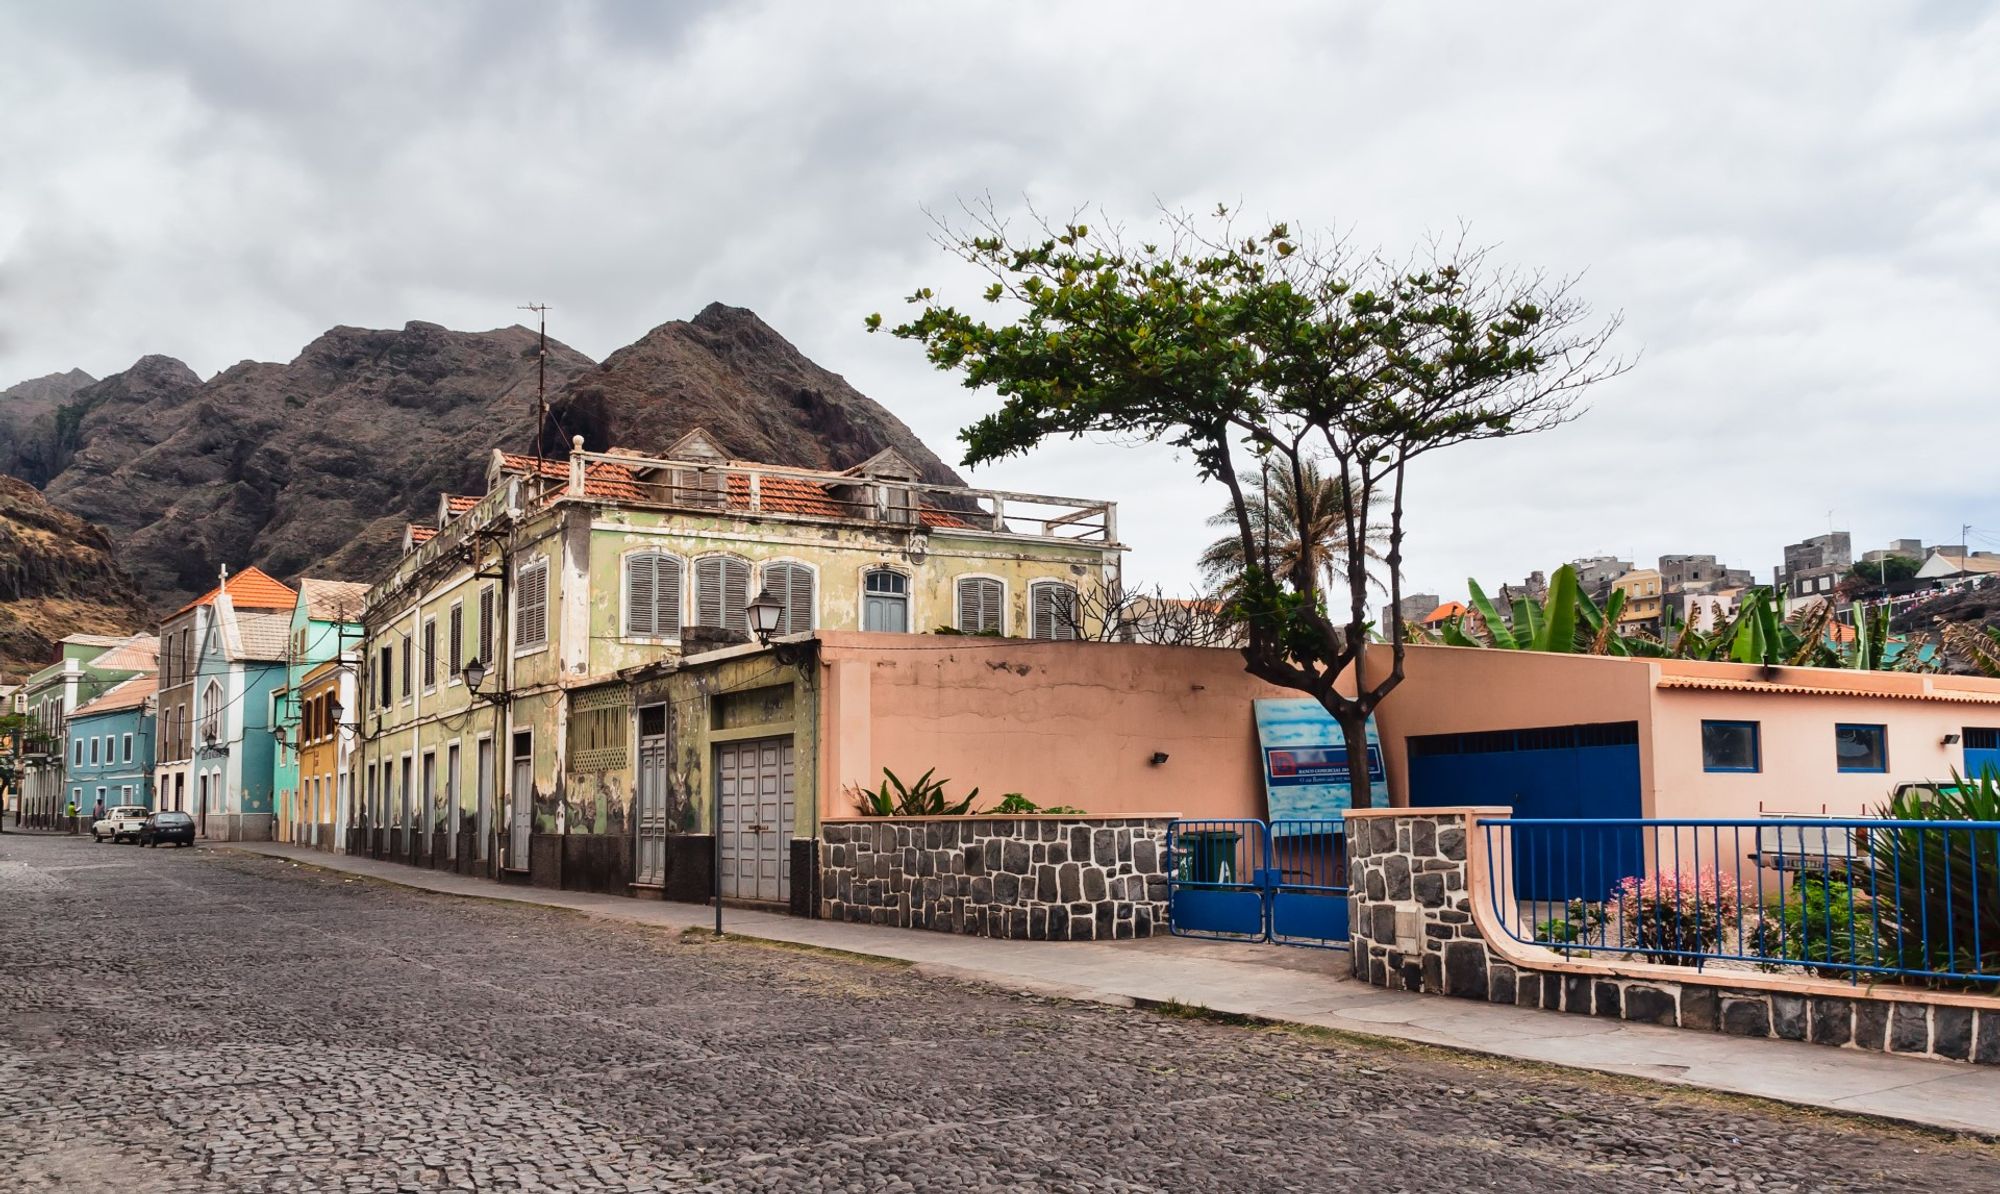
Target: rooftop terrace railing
[(762, 489), (1859, 899)]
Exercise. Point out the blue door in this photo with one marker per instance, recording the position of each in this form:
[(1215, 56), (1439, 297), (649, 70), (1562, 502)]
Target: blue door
[(1982, 750), (1547, 773)]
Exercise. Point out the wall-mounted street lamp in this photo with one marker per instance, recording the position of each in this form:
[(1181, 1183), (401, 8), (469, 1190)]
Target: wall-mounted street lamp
[(474, 674), (764, 612)]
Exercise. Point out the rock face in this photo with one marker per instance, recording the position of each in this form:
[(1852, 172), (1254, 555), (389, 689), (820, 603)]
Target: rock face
[(57, 577), (728, 372), (30, 443), (316, 465)]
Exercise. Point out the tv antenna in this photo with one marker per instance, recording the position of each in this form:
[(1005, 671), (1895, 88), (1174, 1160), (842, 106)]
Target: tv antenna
[(541, 311)]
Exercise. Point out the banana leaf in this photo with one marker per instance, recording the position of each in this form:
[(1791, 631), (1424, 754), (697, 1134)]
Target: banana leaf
[(1502, 636), (1556, 630)]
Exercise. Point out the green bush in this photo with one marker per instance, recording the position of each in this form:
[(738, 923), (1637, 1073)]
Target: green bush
[(1823, 923), (1944, 884)]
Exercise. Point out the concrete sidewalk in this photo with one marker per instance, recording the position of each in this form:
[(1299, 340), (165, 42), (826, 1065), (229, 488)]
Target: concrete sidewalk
[(1307, 987)]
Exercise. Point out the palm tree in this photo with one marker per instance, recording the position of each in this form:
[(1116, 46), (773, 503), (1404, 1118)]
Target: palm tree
[(1286, 520)]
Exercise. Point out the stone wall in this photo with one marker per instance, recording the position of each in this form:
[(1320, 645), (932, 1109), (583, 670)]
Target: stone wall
[(1417, 926), (1039, 878)]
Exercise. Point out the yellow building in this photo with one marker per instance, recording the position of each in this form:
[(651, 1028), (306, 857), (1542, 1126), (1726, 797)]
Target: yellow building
[(318, 811), (1642, 598), (568, 575)]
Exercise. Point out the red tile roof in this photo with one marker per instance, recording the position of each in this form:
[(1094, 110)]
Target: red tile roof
[(602, 479), (129, 695), (456, 504), (1444, 613), (784, 495), (251, 588), (419, 533)]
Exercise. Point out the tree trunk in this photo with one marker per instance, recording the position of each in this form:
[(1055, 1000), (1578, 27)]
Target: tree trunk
[(1354, 732)]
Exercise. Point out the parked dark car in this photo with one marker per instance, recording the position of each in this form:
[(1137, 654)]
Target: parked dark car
[(167, 827)]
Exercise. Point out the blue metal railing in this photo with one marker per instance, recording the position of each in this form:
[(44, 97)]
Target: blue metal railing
[(1839, 898)]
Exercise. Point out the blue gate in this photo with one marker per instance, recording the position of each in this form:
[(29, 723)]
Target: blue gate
[(1245, 880)]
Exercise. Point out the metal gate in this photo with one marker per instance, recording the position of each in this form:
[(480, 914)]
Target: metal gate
[(754, 785), (650, 866), (1284, 881)]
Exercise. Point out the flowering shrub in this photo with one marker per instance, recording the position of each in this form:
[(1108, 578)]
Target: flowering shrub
[(1674, 918)]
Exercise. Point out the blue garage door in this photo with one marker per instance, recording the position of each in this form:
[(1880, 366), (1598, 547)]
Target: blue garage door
[(1982, 750), (1562, 772)]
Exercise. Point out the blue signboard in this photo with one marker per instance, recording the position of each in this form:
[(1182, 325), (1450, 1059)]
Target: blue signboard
[(1305, 760)]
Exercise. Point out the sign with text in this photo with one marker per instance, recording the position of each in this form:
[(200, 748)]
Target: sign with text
[(1305, 760)]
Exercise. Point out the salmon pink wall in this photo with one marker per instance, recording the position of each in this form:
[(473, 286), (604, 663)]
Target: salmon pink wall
[(1061, 723)]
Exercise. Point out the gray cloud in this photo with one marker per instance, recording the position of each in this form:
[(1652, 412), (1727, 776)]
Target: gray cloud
[(1796, 207)]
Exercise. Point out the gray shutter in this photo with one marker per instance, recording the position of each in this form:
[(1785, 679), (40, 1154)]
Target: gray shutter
[(667, 595), (792, 585), (1053, 611), (640, 594), (457, 640), (708, 591), (968, 606), (990, 594), (736, 595), (486, 626), (430, 653), (798, 599), (531, 605)]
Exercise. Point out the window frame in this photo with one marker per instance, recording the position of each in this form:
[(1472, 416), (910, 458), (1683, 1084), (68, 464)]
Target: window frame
[(523, 646), (1881, 748), (759, 584), (1076, 599), (455, 653), (908, 595), (128, 746), (427, 634), (680, 606), (1756, 746), (691, 590), (1005, 604)]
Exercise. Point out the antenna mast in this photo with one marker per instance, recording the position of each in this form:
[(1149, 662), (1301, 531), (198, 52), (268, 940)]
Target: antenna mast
[(541, 311)]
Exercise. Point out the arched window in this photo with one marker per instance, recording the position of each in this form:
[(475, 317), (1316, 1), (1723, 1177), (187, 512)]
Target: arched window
[(653, 594), (722, 593), (792, 585), (981, 600), (1052, 610), (211, 712), (885, 601)]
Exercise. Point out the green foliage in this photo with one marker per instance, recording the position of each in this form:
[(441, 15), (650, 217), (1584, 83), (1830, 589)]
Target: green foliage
[(1821, 921), (925, 798), (1894, 569), (1580, 923), (1013, 803), (1943, 883)]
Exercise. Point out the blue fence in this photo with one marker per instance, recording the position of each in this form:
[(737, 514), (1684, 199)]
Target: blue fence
[(1853, 899), (1283, 881)]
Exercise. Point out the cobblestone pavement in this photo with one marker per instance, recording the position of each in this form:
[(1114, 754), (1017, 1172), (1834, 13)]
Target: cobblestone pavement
[(183, 1020)]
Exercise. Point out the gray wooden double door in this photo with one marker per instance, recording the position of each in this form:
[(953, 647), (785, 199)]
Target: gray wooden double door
[(754, 785)]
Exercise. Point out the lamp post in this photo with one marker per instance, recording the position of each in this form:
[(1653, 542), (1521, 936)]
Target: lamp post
[(764, 612)]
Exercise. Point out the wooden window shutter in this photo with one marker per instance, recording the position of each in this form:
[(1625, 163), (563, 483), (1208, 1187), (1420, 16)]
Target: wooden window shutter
[(457, 650), (430, 653), (531, 605), (792, 585), (667, 595), (708, 591), (486, 626), (736, 595), (979, 605), (1053, 611), (641, 595), (409, 662)]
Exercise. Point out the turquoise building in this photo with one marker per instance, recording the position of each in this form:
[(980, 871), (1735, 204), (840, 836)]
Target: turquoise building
[(111, 747), (326, 620)]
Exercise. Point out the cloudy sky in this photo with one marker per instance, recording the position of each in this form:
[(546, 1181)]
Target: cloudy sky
[(1796, 209)]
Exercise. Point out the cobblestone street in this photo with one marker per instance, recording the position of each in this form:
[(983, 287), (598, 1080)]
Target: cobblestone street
[(188, 1020)]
